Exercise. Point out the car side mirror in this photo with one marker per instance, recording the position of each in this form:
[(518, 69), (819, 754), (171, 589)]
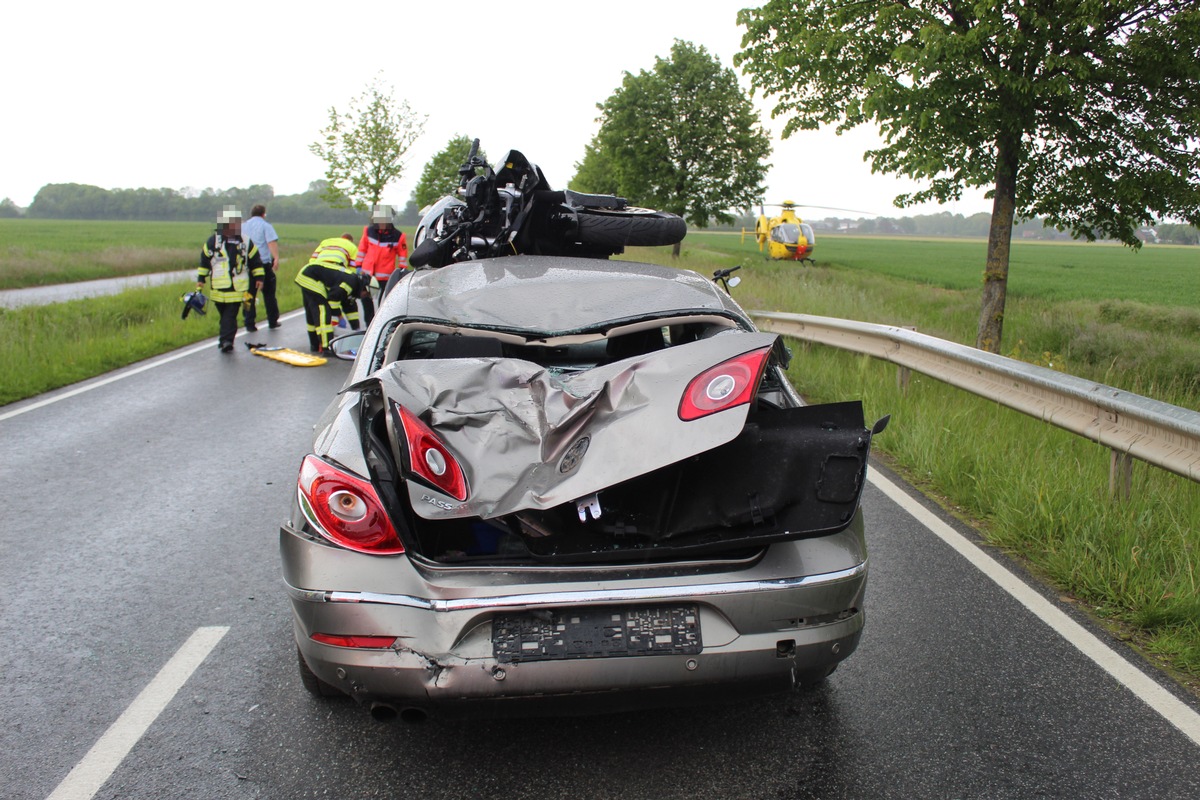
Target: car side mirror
[(346, 347)]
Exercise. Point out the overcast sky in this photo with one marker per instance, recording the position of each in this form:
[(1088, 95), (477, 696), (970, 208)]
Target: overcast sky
[(124, 94)]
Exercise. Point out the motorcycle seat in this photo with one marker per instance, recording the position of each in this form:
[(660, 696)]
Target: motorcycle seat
[(594, 200)]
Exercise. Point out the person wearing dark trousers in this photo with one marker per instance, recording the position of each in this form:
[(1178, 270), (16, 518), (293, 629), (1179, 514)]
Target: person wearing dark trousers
[(326, 282), (262, 234), (230, 265), (361, 285)]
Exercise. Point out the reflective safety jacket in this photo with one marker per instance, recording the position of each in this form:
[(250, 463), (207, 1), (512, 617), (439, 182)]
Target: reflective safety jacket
[(229, 264), (332, 282), (382, 251), (336, 252)]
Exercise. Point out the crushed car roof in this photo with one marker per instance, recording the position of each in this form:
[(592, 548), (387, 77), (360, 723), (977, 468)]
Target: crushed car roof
[(547, 293)]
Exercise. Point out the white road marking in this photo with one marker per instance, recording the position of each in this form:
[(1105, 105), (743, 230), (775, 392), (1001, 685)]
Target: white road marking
[(1171, 708), (106, 755), (113, 378)]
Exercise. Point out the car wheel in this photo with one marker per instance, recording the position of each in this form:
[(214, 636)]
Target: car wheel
[(314, 685)]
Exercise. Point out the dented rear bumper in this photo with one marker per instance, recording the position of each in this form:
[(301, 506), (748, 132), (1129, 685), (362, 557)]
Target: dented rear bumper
[(763, 626)]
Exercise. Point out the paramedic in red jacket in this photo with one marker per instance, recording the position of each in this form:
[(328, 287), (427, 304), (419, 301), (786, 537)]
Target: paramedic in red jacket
[(383, 247)]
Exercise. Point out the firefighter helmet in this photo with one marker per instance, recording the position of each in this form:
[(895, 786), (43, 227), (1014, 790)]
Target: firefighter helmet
[(193, 301)]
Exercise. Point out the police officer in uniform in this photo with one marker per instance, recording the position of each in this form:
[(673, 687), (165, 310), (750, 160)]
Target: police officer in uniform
[(229, 265)]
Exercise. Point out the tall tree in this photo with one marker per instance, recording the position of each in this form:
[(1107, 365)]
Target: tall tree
[(682, 137), (363, 148), (440, 175), (1084, 113), (595, 174)]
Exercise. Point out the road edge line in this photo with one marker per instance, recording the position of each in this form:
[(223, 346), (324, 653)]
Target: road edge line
[(121, 375), (1183, 717)]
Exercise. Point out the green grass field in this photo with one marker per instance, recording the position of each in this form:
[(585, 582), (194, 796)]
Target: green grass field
[(1127, 319), (36, 252), (1033, 490), (1166, 275)]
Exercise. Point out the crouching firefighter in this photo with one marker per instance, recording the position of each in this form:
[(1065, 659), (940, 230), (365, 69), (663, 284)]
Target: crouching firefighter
[(326, 281), (230, 265)]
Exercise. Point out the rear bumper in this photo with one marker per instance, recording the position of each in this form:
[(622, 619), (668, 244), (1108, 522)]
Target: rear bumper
[(403, 678), (760, 633)]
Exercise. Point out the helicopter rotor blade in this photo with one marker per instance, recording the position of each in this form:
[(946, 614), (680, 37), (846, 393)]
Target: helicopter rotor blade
[(824, 208)]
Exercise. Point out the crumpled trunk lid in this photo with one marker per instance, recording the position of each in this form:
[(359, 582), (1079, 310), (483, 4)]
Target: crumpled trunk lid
[(586, 466), (527, 439)]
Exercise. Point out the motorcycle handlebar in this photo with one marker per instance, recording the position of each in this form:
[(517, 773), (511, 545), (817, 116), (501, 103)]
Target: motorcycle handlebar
[(725, 273), (468, 166)]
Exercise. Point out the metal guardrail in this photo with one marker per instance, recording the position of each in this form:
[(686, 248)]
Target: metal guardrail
[(1130, 425)]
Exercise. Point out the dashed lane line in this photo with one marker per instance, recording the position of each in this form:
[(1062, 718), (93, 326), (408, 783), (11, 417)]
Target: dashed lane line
[(86, 778)]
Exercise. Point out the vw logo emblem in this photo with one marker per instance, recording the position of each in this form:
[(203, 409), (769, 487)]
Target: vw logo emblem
[(574, 455)]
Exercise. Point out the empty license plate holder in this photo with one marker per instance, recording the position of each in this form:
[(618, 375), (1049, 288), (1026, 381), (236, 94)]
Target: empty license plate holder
[(605, 632)]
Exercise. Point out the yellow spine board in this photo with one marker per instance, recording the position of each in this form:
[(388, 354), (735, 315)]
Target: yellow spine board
[(289, 356)]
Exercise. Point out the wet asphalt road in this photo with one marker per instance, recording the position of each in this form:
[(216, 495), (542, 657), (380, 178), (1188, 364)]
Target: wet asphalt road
[(138, 511)]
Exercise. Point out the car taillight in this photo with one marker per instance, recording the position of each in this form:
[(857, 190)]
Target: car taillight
[(361, 642), (345, 509), (429, 459), (730, 383)]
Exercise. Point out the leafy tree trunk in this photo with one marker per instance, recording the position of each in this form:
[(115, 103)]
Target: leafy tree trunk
[(680, 191), (995, 274)]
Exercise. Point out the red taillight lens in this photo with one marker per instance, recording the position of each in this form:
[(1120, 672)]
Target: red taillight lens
[(361, 642), (429, 459), (730, 383), (345, 509)]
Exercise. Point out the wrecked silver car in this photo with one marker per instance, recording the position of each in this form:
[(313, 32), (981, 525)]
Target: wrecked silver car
[(561, 483)]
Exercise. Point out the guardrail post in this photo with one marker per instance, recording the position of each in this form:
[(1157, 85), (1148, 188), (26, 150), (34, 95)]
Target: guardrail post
[(1120, 475), (903, 373)]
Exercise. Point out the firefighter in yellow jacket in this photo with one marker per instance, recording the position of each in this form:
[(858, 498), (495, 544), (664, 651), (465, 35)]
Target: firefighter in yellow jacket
[(229, 264), (326, 281)]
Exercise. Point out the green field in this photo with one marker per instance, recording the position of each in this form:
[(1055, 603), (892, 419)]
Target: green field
[(1156, 274), (1123, 318), (56, 345), (35, 252), (1034, 491), (1106, 313)]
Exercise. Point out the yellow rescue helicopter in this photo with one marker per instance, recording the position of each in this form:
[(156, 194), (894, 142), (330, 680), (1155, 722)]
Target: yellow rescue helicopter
[(786, 237)]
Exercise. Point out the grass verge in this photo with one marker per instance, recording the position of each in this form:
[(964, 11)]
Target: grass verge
[(55, 345), (1034, 491)]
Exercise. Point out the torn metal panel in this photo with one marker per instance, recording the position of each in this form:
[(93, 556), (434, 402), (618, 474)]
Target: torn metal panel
[(528, 439)]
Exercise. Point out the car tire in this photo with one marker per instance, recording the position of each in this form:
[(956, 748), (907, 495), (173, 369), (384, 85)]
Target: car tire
[(312, 684), (629, 228)]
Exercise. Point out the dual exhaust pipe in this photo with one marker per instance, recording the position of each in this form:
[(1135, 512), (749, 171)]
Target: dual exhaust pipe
[(385, 712)]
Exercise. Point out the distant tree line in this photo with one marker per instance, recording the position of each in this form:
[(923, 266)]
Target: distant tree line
[(957, 225), (82, 201)]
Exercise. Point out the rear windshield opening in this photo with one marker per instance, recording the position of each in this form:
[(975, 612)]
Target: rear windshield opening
[(568, 353)]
